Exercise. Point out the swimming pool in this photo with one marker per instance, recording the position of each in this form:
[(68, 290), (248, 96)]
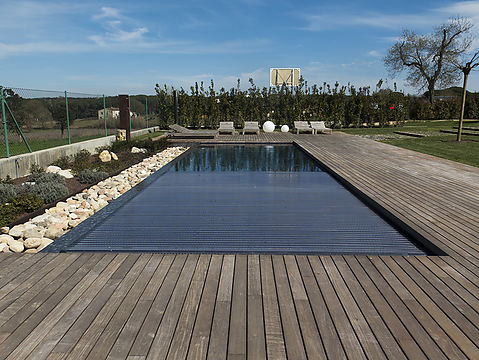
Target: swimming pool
[(239, 199)]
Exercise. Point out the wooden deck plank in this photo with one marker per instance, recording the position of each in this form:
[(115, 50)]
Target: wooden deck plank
[(112, 331), (401, 335), (424, 296), (218, 346), (150, 325), (256, 342), (329, 335), (128, 333), (348, 337), (311, 337), (200, 337), (24, 305), (381, 332), (83, 324), (293, 337), (275, 348), (441, 338), (363, 332), (29, 334), (181, 338), (161, 343), (238, 330)]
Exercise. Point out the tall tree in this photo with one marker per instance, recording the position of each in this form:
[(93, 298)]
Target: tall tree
[(428, 58)]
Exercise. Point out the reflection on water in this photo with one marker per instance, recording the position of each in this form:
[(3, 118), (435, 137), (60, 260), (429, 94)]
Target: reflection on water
[(246, 158)]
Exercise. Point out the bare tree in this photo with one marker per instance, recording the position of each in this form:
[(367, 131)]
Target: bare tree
[(429, 59), (466, 66)]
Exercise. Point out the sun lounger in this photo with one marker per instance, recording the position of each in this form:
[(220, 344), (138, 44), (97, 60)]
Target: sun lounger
[(303, 126), (226, 127), (184, 133), (251, 126), (319, 126)]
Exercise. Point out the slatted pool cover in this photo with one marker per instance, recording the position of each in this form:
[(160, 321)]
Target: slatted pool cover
[(239, 199)]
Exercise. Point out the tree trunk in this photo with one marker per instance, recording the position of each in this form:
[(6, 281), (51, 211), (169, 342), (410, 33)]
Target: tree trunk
[(431, 93), (463, 104)]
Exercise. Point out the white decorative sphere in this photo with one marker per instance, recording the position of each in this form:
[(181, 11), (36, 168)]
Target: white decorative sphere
[(268, 126), (285, 128)]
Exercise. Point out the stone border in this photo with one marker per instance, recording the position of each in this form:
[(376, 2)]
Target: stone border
[(41, 230)]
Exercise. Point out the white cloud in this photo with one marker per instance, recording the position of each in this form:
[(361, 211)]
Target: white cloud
[(374, 53), (107, 12), (327, 19)]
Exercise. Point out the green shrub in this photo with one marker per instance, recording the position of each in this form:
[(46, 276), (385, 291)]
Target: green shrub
[(23, 203), (89, 177), (8, 214), (26, 203), (81, 161), (48, 191), (40, 178), (7, 180), (7, 191), (36, 169), (62, 162)]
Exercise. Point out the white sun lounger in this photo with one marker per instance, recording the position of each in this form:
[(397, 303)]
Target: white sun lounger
[(226, 127), (251, 126), (302, 126), (319, 126)]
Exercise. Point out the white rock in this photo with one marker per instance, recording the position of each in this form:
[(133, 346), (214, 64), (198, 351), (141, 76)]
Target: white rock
[(32, 242), (113, 156), (45, 243), (5, 238), (4, 246), (53, 233), (105, 156), (37, 232), (31, 251), (53, 169), (4, 230), (16, 246), (67, 174), (16, 231)]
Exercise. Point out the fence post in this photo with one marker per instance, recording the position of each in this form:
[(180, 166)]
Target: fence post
[(4, 120), (68, 118), (104, 115), (129, 112), (146, 106)]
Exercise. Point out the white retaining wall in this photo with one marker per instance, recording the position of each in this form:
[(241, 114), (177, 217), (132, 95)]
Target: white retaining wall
[(19, 165)]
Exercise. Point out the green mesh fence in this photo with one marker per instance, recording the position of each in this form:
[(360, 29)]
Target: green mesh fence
[(54, 118)]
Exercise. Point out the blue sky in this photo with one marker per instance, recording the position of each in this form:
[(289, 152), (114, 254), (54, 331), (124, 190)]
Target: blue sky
[(121, 46)]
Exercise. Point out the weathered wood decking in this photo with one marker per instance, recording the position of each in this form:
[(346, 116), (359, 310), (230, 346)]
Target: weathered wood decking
[(140, 306)]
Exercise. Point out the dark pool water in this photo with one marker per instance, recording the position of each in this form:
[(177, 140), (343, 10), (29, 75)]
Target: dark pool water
[(239, 199)]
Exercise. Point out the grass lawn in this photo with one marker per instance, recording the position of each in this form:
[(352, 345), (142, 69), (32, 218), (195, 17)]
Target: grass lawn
[(444, 146), (412, 126)]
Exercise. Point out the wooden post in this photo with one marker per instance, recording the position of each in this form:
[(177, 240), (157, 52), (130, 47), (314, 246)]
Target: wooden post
[(124, 114)]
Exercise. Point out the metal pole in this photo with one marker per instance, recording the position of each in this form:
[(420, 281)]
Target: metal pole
[(175, 98), (129, 112), (68, 118), (104, 114), (18, 127), (463, 104), (146, 106), (4, 120)]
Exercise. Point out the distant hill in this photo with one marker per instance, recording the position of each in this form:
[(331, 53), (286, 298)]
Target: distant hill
[(450, 91)]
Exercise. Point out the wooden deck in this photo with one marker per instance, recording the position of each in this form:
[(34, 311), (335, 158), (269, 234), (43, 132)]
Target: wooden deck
[(187, 306)]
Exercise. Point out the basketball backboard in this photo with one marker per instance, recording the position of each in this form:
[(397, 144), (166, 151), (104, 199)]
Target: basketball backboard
[(287, 76)]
